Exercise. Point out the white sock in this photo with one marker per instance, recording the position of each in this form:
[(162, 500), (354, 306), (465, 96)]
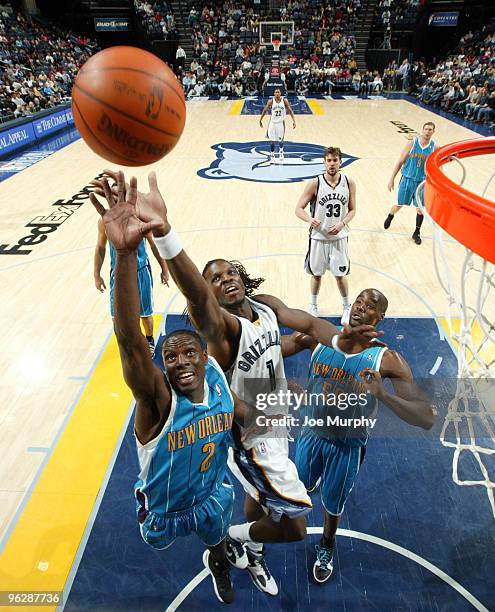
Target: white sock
[(256, 547), (313, 299), (240, 533), (345, 302)]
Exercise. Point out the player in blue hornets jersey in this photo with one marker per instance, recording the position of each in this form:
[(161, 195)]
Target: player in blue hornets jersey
[(412, 162), (145, 278), (183, 416), (345, 388), (243, 335)]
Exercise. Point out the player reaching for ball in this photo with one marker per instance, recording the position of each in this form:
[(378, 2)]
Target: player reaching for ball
[(243, 335), (183, 415)]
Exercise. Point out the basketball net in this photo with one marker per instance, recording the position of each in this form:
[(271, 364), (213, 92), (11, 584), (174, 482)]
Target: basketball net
[(469, 426), (276, 45)]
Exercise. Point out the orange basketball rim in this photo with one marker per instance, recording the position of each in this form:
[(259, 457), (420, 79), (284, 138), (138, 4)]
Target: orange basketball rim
[(467, 217)]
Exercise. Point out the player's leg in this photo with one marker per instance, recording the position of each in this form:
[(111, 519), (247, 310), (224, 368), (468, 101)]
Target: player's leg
[(419, 218), (253, 536), (339, 265), (404, 198), (281, 142), (271, 135), (314, 290), (145, 287), (267, 474), (211, 521), (314, 264), (215, 561), (342, 464), (343, 285)]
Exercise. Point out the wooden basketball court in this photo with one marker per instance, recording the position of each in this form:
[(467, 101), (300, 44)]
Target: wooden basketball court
[(61, 397)]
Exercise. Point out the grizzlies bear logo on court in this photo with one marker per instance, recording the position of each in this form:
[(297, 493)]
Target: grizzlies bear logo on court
[(250, 161)]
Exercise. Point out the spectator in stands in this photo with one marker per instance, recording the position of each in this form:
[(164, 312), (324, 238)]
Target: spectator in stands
[(37, 64), (377, 84), (180, 57)]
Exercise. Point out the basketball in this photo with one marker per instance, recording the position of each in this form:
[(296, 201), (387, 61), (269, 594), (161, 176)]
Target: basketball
[(128, 106)]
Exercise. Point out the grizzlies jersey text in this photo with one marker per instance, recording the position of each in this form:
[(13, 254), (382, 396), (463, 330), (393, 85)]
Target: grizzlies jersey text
[(339, 397), (278, 111), (414, 166), (259, 366), (187, 461), (330, 206), (142, 256)]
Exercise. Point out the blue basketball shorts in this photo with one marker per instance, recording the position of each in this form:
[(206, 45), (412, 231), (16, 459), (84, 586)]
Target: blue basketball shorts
[(336, 465), (145, 286), (210, 520), (407, 192)]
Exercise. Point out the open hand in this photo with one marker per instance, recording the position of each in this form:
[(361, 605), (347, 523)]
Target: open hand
[(149, 206), (122, 226)]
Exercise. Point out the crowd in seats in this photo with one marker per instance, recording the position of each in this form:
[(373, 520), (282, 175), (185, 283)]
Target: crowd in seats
[(38, 64), (464, 83), (229, 59), (392, 16), (157, 18)]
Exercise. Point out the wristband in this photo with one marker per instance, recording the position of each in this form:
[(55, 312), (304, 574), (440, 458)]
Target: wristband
[(169, 246), (335, 345)]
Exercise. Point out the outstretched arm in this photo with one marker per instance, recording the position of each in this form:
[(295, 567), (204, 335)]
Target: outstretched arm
[(215, 325), (321, 331), (408, 403), (296, 342), (142, 376)]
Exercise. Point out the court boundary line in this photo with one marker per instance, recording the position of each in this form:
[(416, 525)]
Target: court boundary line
[(37, 476), (349, 533)]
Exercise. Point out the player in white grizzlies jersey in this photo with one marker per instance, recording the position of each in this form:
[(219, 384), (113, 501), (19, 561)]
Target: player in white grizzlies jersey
[(243, 336), (332, 200), (279, 107)]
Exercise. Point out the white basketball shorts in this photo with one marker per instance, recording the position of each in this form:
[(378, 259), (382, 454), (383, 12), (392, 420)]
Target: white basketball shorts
[(276, 131), (325, 255), (270, 477)]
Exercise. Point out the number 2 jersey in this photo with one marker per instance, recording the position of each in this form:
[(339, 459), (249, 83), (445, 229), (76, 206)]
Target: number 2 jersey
[(330, 205), (187, 461)]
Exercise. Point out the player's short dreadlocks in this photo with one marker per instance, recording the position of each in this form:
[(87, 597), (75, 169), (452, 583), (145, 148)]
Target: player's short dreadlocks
[(251, 284)]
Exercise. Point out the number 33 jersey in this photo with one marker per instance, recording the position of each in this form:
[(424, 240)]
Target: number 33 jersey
[(330, 205), (187, 461)]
